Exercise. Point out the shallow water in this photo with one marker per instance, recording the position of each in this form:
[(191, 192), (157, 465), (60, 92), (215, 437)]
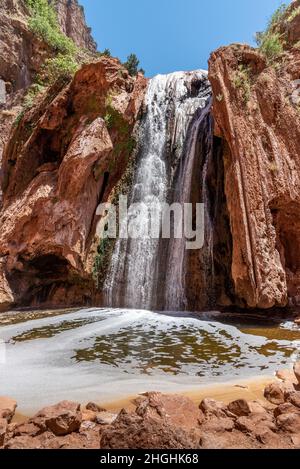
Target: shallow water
[(107, 354)]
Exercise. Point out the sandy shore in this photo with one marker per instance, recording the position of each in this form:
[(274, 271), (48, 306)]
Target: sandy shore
[(250, 389)]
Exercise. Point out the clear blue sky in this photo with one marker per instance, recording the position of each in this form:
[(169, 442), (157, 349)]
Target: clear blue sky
[(171, 35)]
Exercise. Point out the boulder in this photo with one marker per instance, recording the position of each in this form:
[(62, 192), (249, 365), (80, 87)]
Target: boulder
[(88, 415), (274, 393), (27, 428), (23, 442), (255, 424), (289, 422), (286, 408), (227, 440), (62, 418), (3, 429), (211, 406), (176, 410), (294, 398), (239, 407), (94, 407), (217, 425), (271, 440), (297, 371), (7, 408), (287, 376), (105, 418), (130, 431)]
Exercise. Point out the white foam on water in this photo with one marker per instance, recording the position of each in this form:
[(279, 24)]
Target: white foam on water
[(124, 352)]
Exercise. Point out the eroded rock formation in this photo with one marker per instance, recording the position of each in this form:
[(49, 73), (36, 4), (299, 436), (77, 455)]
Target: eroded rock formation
[(256, 109), (65, 156)]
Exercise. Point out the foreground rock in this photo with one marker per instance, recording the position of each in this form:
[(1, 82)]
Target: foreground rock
[(60, 419), (7, 408), (297, 371), (162, 421), (133, 432)]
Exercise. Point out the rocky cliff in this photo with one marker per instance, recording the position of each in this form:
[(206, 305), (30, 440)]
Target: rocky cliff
[(72, 22), (257, 115), (64, 150), (23, 52), (64, 158)]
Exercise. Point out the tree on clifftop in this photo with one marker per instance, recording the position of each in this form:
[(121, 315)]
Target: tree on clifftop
[(132, 64)]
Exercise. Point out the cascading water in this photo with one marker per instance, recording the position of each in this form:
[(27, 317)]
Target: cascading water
[(175, 282), (133, 279)]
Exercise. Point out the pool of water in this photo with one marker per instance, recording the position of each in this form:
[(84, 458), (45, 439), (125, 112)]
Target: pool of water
[(106, 354)]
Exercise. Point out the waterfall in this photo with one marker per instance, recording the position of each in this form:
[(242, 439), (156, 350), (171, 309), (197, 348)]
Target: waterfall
[(166, 143), (175, 282)]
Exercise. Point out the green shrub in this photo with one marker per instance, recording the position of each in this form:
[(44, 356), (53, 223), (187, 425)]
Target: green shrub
[(59, 66), (44, 23), (294, 13), (242, 82), (270, 42), (100, 260), (106, 53), (272, 46), (34, 90), (108, 118), (19, 118), (277, 16)]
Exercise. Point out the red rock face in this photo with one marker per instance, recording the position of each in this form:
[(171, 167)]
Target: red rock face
[(259, 121), (22, 53), (61, 161), (72, 22)]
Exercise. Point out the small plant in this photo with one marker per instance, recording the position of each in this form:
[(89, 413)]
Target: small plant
[(105, 53), (108, 118), (271, 42), (100, 258), (241, 81), (19, 118), (272, 46), (273, 167), (219, 98), (35, 90), (294, 13), (59, 66), (277, 16), (132, 65)]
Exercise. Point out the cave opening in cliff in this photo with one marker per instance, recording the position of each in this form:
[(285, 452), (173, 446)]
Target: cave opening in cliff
[(49, 264)]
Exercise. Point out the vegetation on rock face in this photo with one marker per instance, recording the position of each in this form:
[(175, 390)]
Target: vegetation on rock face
[(271, 41), (59, 66), (101, 260), (294, 13), (43, 22), (242, 82), (105, 53)]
